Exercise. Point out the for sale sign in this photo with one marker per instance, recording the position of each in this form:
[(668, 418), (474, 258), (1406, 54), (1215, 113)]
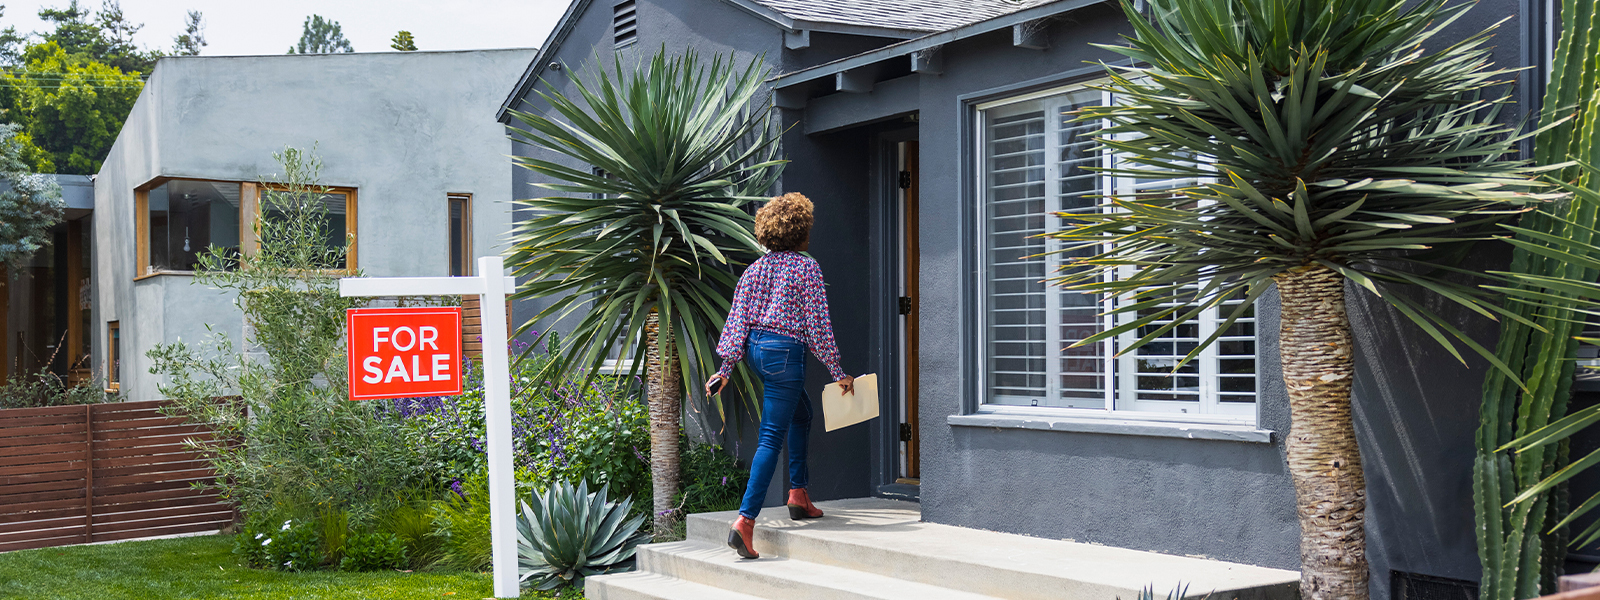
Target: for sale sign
[(404, 352)]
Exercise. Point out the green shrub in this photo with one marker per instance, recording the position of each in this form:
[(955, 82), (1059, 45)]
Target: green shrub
[(296, 546), (48, 389), (712, 479), (462, 526), (568, 534), (247, 545), (410, 518), (373, 551)]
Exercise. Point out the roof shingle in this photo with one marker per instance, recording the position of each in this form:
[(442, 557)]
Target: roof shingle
[(912, 15)]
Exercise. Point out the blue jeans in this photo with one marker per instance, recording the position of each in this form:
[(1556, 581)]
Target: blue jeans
[(780, 362)]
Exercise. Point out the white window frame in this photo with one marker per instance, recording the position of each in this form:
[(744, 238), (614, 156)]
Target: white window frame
[(1119, 376)]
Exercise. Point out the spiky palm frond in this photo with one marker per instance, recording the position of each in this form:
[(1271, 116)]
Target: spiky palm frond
[(1323, 134), (650, 212)]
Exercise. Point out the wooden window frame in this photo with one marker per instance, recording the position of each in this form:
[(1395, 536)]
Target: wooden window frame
[(249, 214), (466, 230), (113, 355), (254, 191)]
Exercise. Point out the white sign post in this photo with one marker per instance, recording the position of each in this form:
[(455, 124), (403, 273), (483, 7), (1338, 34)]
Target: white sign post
[(492, 286)]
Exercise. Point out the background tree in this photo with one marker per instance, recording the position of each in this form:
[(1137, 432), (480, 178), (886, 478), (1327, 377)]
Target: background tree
[(321, 36), (639, 243), (1335, 142), (105, 36), (70, 108), (193, 38), (29, 208), (403, 42)]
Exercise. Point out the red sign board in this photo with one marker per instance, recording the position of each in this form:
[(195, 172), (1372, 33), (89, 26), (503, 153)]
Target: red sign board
[(404, 352)]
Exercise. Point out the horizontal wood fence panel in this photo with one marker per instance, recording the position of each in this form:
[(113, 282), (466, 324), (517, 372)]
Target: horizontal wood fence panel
[(102, 472)]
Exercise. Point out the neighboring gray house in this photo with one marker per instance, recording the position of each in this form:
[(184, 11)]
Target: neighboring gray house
[(933, 136), (409, 145)]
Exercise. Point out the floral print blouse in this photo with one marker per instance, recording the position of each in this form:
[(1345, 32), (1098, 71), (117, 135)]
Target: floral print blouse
[(781, 293)]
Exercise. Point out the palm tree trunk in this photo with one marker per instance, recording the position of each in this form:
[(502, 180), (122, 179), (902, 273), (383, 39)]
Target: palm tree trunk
[(1324, 460), (665, 395)]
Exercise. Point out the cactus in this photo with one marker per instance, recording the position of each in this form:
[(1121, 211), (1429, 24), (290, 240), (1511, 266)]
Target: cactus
[(1520, 497)]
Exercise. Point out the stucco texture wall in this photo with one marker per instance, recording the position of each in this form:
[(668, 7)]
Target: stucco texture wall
[(404, 129)]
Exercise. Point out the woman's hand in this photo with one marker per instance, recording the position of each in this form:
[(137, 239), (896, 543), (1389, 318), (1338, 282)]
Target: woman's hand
[(715, 385), (848, 384)]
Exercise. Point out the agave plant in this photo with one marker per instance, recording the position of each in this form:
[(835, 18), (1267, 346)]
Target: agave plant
[(1334, 143), (568, 534), (640, 245)]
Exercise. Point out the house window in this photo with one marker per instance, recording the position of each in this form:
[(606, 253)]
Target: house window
[(184, 218), (178, 220), (1035, 161), (624, 22), (460, 235), (113, 355), (338, 224)]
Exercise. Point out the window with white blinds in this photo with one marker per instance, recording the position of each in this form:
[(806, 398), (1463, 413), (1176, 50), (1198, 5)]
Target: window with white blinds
[(1036, 162)]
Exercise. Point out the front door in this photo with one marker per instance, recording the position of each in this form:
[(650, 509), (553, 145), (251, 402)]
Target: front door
[(909, 457)]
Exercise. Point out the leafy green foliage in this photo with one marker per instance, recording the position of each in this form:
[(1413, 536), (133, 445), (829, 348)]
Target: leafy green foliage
[(409, 517), (654, 221), (304, 444), (70, 106), (321, 36), (1328, 138), (104, 36), (463, 526), (712, 479), (48, 389), (372, 551), (568, 534), (1522, 463), (403, 42), (30, 207), (295, 546), (600, 438), (193, 38)]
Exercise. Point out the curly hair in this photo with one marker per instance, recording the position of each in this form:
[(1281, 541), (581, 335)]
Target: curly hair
[(784, 222)]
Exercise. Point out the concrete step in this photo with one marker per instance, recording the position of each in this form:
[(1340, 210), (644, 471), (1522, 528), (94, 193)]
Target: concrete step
[(779, 578), (887, 538), (640, 585)]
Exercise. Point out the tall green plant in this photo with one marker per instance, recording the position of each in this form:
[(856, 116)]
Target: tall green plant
[(1336, 147), (1522, 461), (647, 224), (292, 442)]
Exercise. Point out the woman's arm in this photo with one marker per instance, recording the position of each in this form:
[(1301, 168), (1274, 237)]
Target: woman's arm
[(819, 327), (737, 328)]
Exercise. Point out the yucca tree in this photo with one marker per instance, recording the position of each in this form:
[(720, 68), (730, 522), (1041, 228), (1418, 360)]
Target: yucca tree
[(648, 221), (1331, 146)]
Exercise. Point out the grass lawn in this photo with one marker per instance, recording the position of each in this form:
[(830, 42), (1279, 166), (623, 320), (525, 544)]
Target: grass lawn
[(205, 567)]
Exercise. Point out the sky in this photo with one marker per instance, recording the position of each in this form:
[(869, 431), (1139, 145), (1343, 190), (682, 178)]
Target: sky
[(243, 27)]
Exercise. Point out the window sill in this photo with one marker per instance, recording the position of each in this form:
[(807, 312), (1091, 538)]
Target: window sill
[(164, 273), (1226, 432)]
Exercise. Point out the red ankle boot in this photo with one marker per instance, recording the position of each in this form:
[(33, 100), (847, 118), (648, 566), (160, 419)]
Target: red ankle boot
[(800, 506), (742, 537)]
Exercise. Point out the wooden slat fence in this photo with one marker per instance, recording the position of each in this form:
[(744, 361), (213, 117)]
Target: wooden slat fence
[(101, 472)]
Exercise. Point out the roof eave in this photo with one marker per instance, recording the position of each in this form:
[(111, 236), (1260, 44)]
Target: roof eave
[(530, 76)]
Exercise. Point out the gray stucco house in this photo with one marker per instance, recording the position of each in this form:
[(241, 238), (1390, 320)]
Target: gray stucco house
[(408, 143), (932, 136)]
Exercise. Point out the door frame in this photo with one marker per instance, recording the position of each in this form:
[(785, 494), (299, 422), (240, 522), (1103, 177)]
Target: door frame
[(889, 260)]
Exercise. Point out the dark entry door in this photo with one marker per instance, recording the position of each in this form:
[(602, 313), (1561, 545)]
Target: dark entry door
[(910, 434)]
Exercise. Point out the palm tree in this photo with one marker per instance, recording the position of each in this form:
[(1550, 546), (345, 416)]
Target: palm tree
[(1332, 147), (649, 219)]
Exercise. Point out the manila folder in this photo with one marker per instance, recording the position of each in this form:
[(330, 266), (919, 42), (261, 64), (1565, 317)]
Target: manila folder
[(843, 410)]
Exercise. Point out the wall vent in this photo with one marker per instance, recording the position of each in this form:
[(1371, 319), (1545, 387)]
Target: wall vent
[(1416, 586), (624, 22)]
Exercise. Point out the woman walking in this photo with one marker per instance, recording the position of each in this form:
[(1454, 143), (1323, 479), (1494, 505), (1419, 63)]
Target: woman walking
[(779, 310)]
